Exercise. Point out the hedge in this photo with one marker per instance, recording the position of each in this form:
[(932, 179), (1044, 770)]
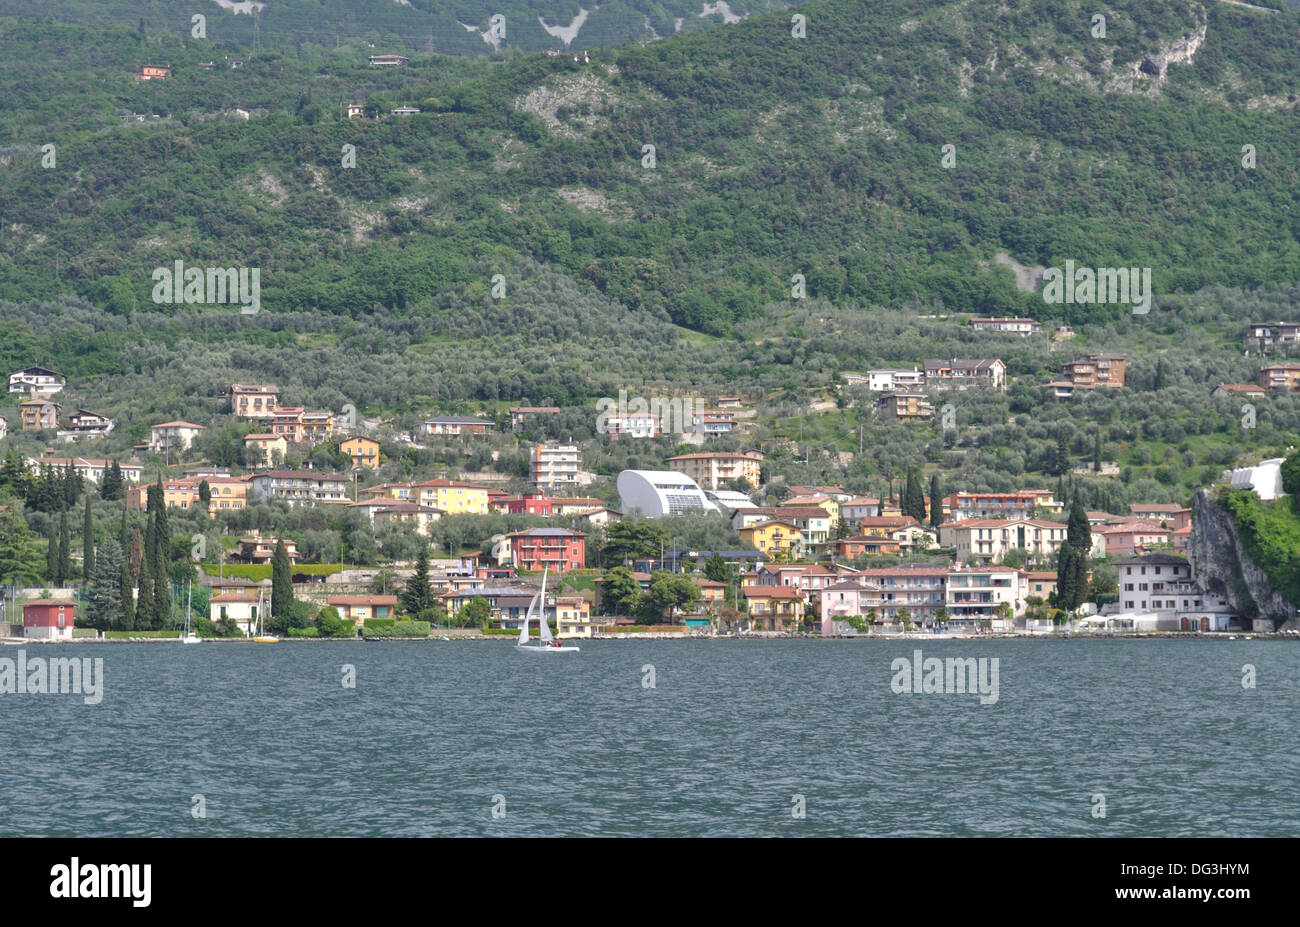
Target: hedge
[(398, 629), (259, 571), (149, 635), (304, 632)]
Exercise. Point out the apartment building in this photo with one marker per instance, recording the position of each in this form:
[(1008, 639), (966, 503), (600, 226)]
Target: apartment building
[(295, 486), (253, 400), (554, 464), (989, 540), (962, 373), (1096, 370), (709, 471), (1280, 377), (1022, 327)]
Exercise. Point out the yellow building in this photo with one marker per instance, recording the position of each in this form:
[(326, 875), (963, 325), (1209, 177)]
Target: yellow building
[(452, 497), (229, 493), (260, 449), (573, 617), (831, 506), (363, 451), (772, 537), (774, 608)]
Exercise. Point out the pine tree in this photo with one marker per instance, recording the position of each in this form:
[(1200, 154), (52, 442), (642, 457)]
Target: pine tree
[(88, 543), (417, 596), (104, 590), (936, 502), (281, 581), (65, 549)]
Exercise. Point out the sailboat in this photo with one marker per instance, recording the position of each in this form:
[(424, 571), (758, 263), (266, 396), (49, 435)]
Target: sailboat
[(545, 643), (190, 637), (262, 637)]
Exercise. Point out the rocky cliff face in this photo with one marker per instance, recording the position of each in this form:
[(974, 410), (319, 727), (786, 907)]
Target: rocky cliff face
[(1222, 566)]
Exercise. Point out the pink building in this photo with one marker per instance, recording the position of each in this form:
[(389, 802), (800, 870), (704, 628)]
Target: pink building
[(1131, 538)]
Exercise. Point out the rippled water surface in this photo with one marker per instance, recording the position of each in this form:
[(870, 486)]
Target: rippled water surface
[(438, 734)]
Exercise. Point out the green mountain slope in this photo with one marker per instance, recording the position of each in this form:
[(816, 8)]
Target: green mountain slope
[(773, 156)]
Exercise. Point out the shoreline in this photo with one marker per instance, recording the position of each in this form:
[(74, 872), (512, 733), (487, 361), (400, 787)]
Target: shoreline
[(762, 636)]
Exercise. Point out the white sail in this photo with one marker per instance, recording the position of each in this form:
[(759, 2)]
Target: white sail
[(523, 632), (541, 613)]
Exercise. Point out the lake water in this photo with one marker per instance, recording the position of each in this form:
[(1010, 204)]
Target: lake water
[(437, 735)]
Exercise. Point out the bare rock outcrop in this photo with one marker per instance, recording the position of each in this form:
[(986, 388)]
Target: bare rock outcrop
[(1221, 566)]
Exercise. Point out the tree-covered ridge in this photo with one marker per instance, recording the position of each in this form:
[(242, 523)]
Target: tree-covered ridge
[(317, 28), (773, 156)]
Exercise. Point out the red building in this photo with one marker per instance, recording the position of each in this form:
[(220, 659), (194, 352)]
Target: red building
[(557, 548), (530, 503), (48, 619)]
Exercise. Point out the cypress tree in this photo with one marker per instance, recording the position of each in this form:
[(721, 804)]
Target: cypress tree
[(52, 556), (65, 548), (1096, 451), (112, 483), (162, 590), (144, 607), (1061, 459), (1078, 533), (281, 581), (137, 556), (126, 596), (936, 502), (1065, 577), (1080, 577), (913, 497), (88, 543)]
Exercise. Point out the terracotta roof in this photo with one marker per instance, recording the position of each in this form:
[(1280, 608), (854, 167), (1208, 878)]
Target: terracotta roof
[(772, 592)]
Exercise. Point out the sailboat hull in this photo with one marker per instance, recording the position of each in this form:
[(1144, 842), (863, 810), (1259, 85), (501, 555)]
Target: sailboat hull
[(534, 648)]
